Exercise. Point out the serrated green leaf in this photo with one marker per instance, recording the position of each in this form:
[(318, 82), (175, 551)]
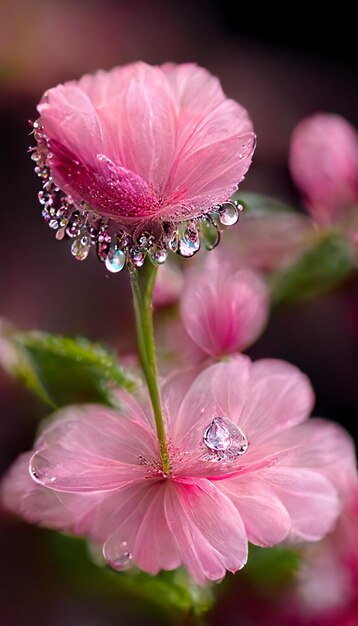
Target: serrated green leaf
[(167, 594), (321, 268), (65, 370)]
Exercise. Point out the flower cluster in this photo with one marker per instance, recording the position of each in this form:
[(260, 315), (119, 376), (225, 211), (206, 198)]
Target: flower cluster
[(138, 161)]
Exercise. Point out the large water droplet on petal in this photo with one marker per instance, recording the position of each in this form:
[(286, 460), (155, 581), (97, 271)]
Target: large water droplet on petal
[(217, 435), (116, 258), (123, 561), (225, 440), (228, 214), (81, 247), (189, 242)]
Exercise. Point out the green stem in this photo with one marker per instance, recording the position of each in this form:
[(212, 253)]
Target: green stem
[(142, 282)]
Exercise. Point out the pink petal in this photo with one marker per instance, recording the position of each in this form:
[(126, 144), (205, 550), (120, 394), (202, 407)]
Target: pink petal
[(310, 499), (320, 445), (324, 165), (208, 529), (174, 388), (266, 520), (36, 504), (92, 448), (270, 240), (224, 307), (168, 285), (211, 158), (154, 142), (141, 523), (262, 398), (280, 397)]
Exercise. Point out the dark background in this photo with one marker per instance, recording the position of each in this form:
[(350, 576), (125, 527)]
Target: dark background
[(281, 66)]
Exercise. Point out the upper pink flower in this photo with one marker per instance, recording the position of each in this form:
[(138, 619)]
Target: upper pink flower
[(245, 465), (224, 307), (324, 165), (143, 141)]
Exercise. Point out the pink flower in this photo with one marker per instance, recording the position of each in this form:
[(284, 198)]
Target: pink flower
[(224, 307), (270, 240), (245, 465), (146, 146), (168, 285), (324, 165)]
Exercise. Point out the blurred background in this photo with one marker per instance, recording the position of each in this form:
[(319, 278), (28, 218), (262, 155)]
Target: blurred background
[(281, 70)]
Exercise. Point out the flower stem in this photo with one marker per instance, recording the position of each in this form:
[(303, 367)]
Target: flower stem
[(142, 282)]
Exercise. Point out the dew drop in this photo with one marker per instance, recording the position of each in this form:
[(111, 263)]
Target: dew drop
[(158, 255), (225, 440), (189, 242), (75, 224), (137, 256), (123, 561), (217, 435), (60, 233), (81, 247), (209, 234), (228, 214), (103, 245), (115, 259)]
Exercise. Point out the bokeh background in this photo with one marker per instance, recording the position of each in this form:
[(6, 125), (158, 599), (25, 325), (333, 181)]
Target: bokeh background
[(281, 68)]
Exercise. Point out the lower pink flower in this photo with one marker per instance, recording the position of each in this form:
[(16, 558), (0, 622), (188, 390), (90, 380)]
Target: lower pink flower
[(246, 465)]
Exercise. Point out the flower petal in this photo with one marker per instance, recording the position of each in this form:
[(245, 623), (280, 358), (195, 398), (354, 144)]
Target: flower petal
[(208, 529), (36, 504), (281, 396), (223, 307), (92, 448), (310, 499), (266, 520), (142, 529)]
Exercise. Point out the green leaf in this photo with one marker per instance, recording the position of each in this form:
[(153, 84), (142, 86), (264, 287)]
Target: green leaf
[(167, 594), (322, 267), (65, 370)]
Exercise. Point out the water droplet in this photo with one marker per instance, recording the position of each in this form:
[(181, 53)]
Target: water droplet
[(137, 256), (158, 255), (124, 559), (81, 247), (209, 234), (103, 245), (189, 242), (228, 214), (60, 233), (225, 440), (53, 223), (75, 224), (217, 435), (116, 258)]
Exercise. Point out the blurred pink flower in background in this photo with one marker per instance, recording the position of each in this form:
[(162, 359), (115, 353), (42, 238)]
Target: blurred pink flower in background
[(168, 285), (324, 165), (270, 240), (224, 307), (327, 587), (141, 141), (245, 465)]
